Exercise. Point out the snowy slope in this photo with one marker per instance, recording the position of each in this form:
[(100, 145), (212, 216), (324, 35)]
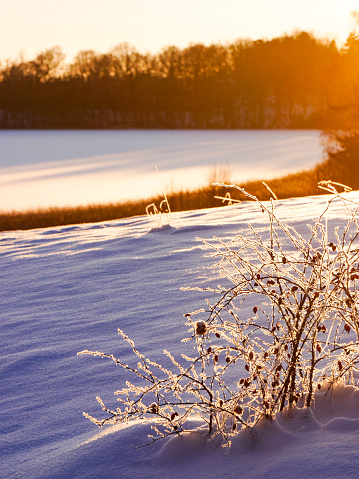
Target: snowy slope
[(66, 289)]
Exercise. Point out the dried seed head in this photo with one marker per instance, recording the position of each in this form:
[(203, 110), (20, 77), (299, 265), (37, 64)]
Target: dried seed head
[(154, 408), (209, 350), (255, 309), (284, 260), (218, 335), (340, 365), (201, 328), (319, 386), (238, 409), (215, 358), (173, 415), (251, 355), (319, 348), (347, 328)]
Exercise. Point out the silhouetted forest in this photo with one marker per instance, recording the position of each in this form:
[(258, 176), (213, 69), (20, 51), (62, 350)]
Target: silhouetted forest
[(293, 81)]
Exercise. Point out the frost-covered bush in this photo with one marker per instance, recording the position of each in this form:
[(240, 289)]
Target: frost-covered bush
[(285, 326)]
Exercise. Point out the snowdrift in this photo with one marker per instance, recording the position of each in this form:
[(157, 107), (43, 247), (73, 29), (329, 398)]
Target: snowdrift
[(68, 289)]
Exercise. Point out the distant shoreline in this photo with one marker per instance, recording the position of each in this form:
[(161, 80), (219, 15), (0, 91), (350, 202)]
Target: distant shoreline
[(164, 128)]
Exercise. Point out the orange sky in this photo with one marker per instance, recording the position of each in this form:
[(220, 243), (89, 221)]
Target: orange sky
[(28, 27)]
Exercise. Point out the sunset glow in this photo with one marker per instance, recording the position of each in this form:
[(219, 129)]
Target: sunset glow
[(26, 28)]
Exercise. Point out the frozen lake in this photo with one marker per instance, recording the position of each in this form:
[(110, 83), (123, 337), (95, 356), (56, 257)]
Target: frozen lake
[(61, 168)]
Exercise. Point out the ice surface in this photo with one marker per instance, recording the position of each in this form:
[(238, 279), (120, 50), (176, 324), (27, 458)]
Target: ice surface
[(66, 289), (70, 168)]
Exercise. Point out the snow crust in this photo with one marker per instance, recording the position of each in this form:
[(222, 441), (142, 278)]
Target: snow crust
[(67, 289)]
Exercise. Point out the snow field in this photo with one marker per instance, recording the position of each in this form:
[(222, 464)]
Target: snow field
[(67, 289), (40, 169)]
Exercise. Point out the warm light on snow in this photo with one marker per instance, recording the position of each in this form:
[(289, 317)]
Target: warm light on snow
[(42, 169), (67, 289)]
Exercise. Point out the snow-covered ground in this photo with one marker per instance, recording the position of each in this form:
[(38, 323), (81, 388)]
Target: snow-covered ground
[(71, 168), (67, 289)]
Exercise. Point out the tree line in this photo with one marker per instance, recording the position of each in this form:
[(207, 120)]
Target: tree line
[(293, 81)]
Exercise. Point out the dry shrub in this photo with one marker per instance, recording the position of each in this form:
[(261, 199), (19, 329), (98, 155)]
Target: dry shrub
[(285, 325)]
